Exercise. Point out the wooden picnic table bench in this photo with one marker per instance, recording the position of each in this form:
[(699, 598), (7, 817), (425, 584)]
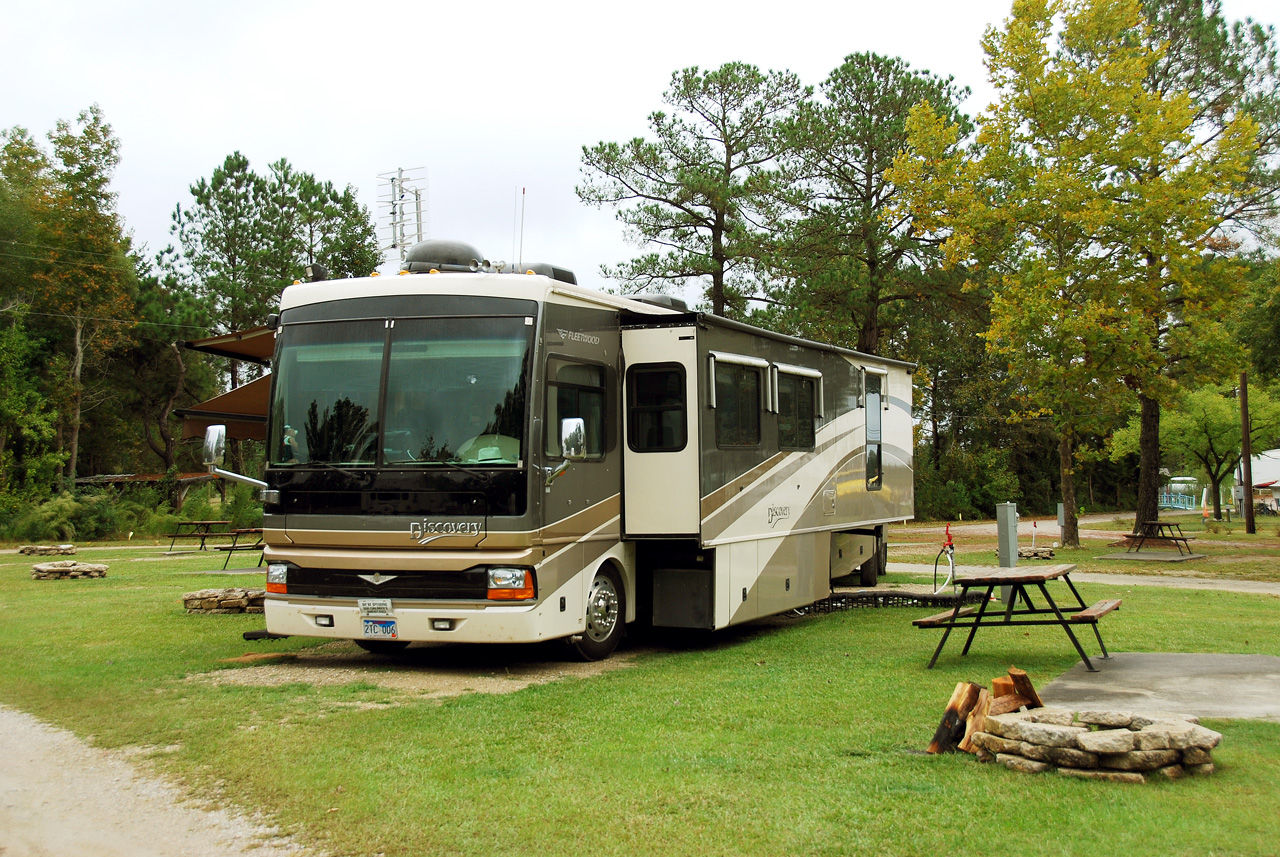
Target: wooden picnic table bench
[(1019, 609), (201, 530), (235, 545), (1166, 531)]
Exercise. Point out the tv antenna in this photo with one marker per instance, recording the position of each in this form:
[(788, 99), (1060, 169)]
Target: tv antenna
[(404, 194)]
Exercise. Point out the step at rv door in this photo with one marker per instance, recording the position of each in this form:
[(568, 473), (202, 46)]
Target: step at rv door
[(660, 494)]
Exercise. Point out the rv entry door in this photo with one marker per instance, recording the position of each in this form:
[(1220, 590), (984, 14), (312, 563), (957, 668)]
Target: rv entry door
[(660, 494)]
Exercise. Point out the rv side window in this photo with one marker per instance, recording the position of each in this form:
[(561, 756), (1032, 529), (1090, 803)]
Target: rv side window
[(795, 411), (575, 390), (875, 463), (656, 408), (737, 405)]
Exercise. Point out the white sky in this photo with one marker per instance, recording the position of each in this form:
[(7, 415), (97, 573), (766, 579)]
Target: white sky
[(490, 97)]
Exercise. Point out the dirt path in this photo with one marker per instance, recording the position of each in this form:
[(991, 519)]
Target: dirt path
[(59, 796)]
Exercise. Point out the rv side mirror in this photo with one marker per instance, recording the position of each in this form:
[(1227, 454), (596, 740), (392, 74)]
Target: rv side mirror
[(573, 438), (215, 445)]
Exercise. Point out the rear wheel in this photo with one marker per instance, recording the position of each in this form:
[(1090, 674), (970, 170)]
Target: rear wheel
[(871, 570), (383, 647), (606, 617)]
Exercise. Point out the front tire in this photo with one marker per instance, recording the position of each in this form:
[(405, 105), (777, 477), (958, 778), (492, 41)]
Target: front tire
[(606, 618)]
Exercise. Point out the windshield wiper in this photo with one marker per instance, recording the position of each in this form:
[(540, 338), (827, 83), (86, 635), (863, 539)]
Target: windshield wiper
[(331, 466), (467, 470)]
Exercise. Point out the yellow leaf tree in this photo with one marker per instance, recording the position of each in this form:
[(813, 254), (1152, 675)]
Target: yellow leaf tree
[(1087, 205)]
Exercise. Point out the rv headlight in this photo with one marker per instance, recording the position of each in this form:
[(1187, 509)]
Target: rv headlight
[(510, 584), (277, 577)]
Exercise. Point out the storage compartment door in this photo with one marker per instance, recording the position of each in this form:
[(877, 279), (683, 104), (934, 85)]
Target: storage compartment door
[(660, 427)]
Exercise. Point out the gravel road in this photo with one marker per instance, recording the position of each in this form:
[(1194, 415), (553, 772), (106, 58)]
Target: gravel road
[(59, 796)]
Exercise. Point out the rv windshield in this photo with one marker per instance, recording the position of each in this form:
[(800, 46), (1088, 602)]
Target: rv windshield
[(454, 392)]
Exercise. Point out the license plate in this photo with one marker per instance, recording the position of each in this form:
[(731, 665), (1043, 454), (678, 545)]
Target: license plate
[(381, 629), (375, 607)]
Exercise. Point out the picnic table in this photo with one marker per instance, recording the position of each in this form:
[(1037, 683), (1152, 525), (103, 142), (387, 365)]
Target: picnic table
[(236, 536), (1168, 531), (201, 530), (1019, 609)]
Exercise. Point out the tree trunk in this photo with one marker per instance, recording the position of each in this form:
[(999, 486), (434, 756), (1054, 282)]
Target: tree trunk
[(717, 261), (937, 446), (1148, 507), (77, 368), (1066, 467)]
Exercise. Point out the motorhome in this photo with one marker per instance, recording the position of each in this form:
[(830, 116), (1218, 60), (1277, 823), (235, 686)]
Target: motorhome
[(472, 453)]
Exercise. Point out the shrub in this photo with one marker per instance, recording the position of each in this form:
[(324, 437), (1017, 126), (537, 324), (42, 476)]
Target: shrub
[(12, 508), (242, 509), (53, 520), (968, 485), (90, 515), (198, 505), (100, 516)]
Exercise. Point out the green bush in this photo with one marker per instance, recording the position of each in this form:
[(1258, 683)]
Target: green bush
[(91, 515), (968, 485), (53, 520), (198, 506), (101, 516), (160, 522), (242, 509), (12, 508)]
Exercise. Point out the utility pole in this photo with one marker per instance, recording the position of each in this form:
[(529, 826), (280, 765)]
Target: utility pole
[(1246, 455)]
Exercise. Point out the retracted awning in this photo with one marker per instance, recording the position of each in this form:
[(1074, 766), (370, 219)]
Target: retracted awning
[(256, 345), (242, 410)]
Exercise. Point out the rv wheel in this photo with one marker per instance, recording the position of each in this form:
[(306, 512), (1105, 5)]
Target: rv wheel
[(606, 615), (875, 566), (383, 647)]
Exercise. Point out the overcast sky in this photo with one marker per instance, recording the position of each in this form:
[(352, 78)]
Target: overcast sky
[(488, 97)]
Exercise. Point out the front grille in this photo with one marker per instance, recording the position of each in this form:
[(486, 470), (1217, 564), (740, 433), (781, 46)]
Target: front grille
[(470, 585)]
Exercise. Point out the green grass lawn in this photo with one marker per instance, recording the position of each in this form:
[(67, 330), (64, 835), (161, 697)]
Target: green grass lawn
[(797, 736)]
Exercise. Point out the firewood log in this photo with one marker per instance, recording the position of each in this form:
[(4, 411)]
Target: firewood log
[(952, 728)]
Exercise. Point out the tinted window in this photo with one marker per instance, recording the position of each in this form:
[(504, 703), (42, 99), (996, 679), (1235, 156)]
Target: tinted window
[(575, 390), (875, 463), (795, 411), (656, 408), (455, 392), (737, 405)]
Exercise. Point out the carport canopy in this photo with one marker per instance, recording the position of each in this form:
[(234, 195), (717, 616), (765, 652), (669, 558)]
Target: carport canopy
[(242, 410), (255, 345)]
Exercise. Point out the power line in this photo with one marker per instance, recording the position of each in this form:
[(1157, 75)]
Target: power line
[(120, 321), (55, 247), (61, 262)]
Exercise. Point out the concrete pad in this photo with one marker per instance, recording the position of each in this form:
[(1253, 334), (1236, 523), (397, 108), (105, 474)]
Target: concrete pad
[(1206, 685), (1154, 556)]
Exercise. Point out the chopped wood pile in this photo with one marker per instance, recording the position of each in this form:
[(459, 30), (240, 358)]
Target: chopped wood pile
[(1033, 553), (231, 600), (1008, 724), (67, 569), (47, 550)]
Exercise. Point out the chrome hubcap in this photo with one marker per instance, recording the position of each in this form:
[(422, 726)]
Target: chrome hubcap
[(602, 609)]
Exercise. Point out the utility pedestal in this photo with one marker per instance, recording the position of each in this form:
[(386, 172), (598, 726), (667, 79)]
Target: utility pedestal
[(1007, 539)]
